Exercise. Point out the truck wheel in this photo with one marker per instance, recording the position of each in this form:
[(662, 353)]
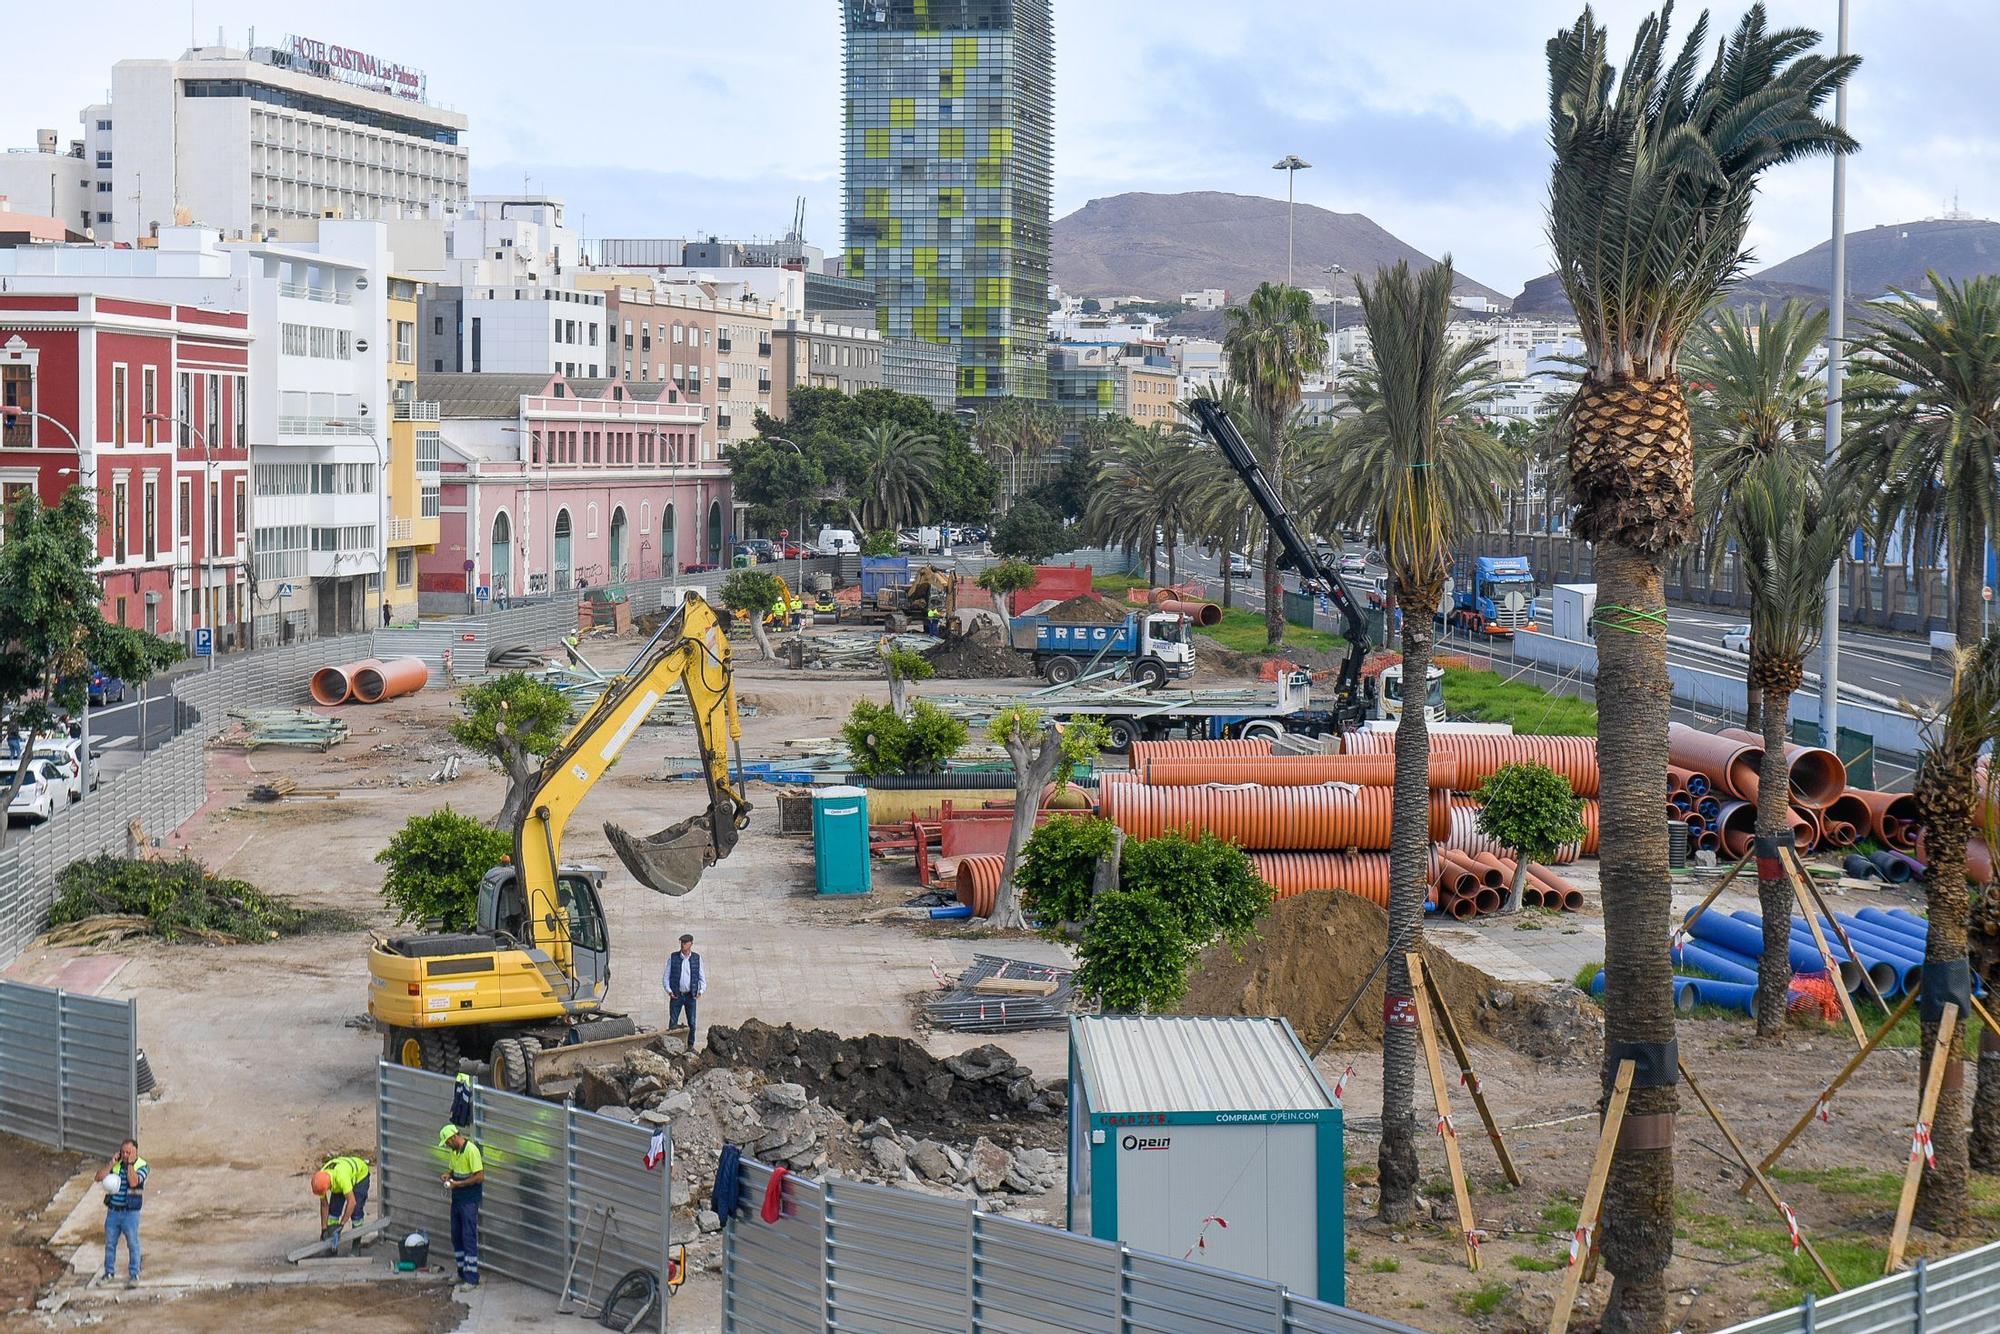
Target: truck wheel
[(1122, 732), (435, 1051), (510, 1066), (897, 623), (1150, 674), (1061, 671), (1261, 729)]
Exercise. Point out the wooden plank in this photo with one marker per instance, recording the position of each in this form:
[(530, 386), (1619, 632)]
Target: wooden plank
[(1756, 1176), (1016, 986), (1471, 1078), (1826, 957), (1716, 892), (1461, 1193), (326, 1248), (1826, 1095), (1926, 1109), (1593, 1193)]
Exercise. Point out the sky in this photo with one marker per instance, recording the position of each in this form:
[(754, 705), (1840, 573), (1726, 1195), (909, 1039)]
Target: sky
[(1429, 116)]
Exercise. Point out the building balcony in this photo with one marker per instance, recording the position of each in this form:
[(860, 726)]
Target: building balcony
[(305, 292), (321, 426), (414, 532), (416, 412)]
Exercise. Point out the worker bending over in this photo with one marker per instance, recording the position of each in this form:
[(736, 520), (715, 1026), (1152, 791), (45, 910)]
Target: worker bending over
[(342, 1187), (467, 1183)]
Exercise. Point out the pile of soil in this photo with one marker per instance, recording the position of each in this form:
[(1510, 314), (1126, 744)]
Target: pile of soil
[(977, 654), (1314, 950), (1085, 609), (30, 1176)]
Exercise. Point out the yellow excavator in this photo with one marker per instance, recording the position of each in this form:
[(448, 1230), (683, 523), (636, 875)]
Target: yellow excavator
[(527, 984)]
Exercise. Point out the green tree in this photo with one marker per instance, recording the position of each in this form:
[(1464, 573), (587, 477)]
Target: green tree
[(1176, 896), (52, 627), (1752, 397), (1022, 432), (1003, 581), (513, 720), (772, 479), (1066, 493), (1789, 532), (1655, 169), (1530, 809), (1273, 343), (1042, 751), (901, 464), (881, 542), (751, 594), (1418, 467), (901, 666), (1029, 532), (1141, 499), (1090, 306), (436, 862), (1059, 868), (880, 741), (1924, 440)]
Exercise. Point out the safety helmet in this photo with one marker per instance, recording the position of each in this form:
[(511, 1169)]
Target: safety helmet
[(322, 1183)]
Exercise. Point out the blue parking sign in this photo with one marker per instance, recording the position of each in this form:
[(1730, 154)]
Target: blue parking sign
[(204, 642)]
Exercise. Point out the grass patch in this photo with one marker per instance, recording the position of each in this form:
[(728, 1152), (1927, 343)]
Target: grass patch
[(1852, 1262), (1486, 697), (1586, 975), (1879, 1187), (1384, 1264), (1363, 1174), (1484, 1299), (1908, 1032), (1116, 584), (1537, 1264), (1353, 1254), (1563, 1213)]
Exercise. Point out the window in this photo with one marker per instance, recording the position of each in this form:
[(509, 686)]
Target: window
[(120, 537), (105, 217), (437, 326), (281, 552), (183, 406), (214, 420), (186, 509), (242, 415), (118, 405), (214, 517), (677, 336), (149, 403), (104, 187), (104, 125), (406, 564), (433, 500), (17, 390), (242, 508), (406, 337), (427, 451), (104, 159), (149, 516)]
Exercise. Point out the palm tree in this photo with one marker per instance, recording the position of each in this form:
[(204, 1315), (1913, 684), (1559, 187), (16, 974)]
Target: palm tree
[(1790, 534), (1751, 397), (1421, 469), (1273, 343), (1925, 439), (901, 468), (1649, 199), (1141, 488), (1022, 431)]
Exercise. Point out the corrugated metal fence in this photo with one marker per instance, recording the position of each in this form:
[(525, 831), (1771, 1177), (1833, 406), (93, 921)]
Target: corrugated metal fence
[(1959, 1294), (548, 1169), (848, 1255), (68, 1068)]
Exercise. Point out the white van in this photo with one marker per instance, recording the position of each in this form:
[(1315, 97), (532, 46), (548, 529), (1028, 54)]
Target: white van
[(833, 541)]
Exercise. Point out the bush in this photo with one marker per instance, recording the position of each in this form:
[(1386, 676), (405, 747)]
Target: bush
[(436, 862), (1209, 881), (180, 899), (751, 592), (879, 742), (881, 542), (1058, 863), (1133, 956)]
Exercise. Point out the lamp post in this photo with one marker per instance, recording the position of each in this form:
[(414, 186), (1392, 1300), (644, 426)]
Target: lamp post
[(800, 545), (1291, 164), (1836, 368), (544, 448), (209, 500)]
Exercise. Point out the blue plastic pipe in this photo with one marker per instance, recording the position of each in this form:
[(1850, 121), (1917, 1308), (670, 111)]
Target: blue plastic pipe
[(1697, 785), (1889, 943), (1747, 938), (1709, 807), (1692, 991), (1877, 948), (1916, 928), (1725, 964), (951, 912)]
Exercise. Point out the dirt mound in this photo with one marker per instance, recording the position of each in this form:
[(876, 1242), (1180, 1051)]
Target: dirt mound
[(976, 654), (1084, 609)]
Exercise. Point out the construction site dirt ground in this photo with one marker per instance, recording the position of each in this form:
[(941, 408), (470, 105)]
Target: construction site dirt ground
[(265, 1068)]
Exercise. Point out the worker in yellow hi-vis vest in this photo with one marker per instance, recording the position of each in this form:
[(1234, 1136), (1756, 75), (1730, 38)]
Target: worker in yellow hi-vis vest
[(466, 1180)]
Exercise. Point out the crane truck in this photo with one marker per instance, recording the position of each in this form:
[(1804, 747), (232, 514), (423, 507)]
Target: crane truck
[(525, 988)]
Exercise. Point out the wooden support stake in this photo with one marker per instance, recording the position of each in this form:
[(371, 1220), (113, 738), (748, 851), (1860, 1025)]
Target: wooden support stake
[(1461, 1193), (1716, 892), (1471, 1078), (1826, 956), (1593, 1193), (1985, 1015), (1846, 1073), (1926, 1109), (1757, 1176), (1839, 931)]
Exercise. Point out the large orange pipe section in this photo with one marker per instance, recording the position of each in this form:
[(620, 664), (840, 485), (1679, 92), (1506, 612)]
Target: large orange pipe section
[(1201, 613), (335, 684), (374, 682), (1817, 775), (1295, 771), (979, 883), (1480, 755), (1731, 766), (1272, 818), (1144, 752), (1892, 817)]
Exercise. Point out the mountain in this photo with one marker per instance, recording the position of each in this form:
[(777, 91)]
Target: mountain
[(1897, 255), (1159, 246)]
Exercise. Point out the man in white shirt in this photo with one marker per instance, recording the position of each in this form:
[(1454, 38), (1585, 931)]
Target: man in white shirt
[(685, 983)]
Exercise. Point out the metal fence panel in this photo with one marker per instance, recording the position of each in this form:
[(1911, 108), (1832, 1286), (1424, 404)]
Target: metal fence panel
[(898, 1260), (1174, 1297), (68, 1068), (1039, 1280), (607, 1167), (30, 1063), (464, 640), (1955, 1295), (774, 1274), (1303, 1315), (525, 1209)]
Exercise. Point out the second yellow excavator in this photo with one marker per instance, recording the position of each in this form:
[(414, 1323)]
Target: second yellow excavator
[(530, 978)]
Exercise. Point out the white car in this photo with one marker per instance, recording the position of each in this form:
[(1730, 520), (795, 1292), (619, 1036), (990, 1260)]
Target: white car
[(35, 801), (1737, 639), (1239, 565), (63, 754)]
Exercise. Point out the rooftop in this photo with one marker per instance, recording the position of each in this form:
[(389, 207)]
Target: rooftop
[(1164, 1063)]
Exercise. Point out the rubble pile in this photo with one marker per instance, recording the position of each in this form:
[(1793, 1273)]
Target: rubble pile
[(980, 653)]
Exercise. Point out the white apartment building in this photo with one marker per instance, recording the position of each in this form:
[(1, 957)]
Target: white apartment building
[(1199, 364), (54, 179), (240, 139), (1208, 298), (505, 299)]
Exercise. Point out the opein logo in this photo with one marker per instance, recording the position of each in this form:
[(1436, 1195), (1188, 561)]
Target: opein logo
[(1146, 1142)]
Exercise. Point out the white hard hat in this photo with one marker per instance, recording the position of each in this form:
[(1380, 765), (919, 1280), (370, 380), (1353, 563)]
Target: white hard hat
[(112, 1183)]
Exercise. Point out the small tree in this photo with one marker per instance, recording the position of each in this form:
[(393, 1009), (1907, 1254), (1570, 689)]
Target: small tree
[(752, 594), (513, 720), (1030, 532), (436, 862), (1058, 870), (1003, 581), (881, 741), (1531, 809), (1176, 896), (1041, 750), (903, 666), (52, 628), (881, 542)]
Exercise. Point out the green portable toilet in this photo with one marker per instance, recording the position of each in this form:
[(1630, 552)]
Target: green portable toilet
[(840, 840)]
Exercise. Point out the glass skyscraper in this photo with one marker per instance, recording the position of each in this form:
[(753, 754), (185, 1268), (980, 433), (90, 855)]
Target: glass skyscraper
[(947, 170)]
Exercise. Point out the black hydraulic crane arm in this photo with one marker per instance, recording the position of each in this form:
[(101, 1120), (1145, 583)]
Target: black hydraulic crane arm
[(1298, 554)]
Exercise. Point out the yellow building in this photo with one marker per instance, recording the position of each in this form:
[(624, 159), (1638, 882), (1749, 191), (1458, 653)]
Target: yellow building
[(413, 499)]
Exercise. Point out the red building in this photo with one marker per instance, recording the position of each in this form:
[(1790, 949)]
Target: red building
[(144, 401)]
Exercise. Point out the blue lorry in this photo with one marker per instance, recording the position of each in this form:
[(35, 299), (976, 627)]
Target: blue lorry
[(1157, 645), (1493, 595)]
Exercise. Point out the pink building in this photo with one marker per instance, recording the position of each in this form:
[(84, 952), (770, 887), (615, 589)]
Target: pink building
[(549, 483)]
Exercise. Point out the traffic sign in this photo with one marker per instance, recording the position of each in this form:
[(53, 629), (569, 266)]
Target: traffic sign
[(286, 590), (483, 593), (204, 642)]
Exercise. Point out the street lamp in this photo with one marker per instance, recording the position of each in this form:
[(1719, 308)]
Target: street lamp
[(1291, 164), (210, 504), (1836, 367)]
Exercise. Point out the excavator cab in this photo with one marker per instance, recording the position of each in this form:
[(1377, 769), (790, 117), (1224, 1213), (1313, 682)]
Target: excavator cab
[(571, 930)]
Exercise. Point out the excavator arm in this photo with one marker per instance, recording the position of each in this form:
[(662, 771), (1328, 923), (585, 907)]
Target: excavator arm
[(691, 650)]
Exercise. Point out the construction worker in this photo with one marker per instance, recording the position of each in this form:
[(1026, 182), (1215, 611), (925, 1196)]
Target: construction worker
[(121, 1211), (342, 1187), (466, 1180)]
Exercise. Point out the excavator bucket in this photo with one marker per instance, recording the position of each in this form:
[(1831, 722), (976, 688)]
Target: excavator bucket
[(671, 861)]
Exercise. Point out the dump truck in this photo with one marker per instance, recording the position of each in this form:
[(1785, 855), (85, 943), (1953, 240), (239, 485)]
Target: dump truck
[(1155, 646)]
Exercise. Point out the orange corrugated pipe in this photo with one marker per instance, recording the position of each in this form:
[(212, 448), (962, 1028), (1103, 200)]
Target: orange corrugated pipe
[(1201, 613), (1240, 748), (1816, 774), (979, 883), (1731, 766), (1293, 771), (1364, 874), (1499, 873), (388, 680), (1465, 835), (1892, 817), (335, 684), (1277, 818), (1480, 755)]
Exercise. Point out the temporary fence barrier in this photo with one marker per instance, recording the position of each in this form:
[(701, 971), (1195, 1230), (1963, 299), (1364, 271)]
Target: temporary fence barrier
[(68, 1068), (1955, 1295), (552, 1173), (850, 1255)]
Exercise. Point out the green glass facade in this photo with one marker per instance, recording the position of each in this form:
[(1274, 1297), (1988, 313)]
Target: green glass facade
[(947, 164)]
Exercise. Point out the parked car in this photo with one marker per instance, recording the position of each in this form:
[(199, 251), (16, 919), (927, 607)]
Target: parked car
[(1353, 565), (762, 548), (68, 753), (699, 567), (1737, 638), (35, 800), (105, 689), (1239, 565)]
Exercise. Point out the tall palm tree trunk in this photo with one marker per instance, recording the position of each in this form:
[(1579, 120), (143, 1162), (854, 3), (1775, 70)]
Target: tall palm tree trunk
[(1945, 805), (1753, 704), (1774, 887), (1633, 698), (1409, 877), (1968, 578)]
